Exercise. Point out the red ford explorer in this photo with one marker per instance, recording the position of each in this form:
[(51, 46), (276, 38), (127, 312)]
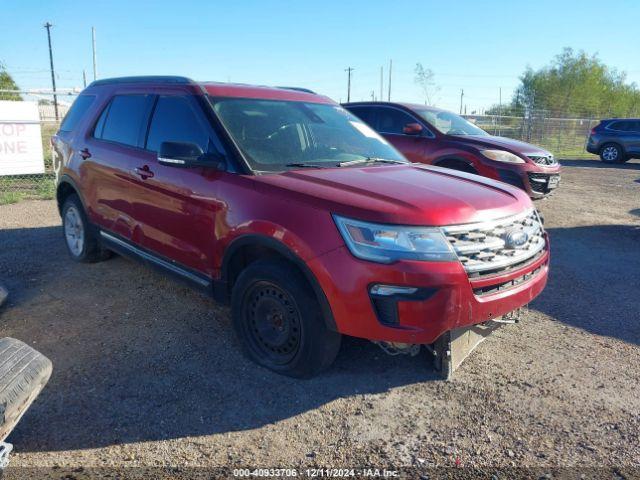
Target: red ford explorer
[(296, 213), (438, 137)]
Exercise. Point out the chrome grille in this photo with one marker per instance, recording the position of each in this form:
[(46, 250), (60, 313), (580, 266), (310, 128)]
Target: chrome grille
[(488, 247), (543, 159)]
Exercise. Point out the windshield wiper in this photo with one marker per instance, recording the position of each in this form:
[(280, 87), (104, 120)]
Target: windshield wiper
[(369, 160), (305, 165)]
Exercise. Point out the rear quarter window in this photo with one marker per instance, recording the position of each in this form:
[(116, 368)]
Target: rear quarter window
[(619, 126), (76, 112), (123, 119)]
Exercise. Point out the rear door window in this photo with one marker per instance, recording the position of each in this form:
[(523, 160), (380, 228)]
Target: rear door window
[(123, 119), (76, 112), (175, 119)]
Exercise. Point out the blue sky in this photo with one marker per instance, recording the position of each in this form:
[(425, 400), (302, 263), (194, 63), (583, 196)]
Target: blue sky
[(476, 45)]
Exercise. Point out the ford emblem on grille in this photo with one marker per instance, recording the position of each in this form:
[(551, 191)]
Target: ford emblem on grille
[(515, 238)]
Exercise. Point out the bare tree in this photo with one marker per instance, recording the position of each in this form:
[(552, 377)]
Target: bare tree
[(424, 79)]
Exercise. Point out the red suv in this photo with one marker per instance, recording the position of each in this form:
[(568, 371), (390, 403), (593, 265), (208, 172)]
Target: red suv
[(296, 213), (438, 137)]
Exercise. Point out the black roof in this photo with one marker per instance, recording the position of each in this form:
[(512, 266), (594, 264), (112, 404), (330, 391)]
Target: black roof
[(142, 79)]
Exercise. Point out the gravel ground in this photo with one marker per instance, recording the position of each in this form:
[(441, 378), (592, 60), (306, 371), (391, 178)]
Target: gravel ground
[(148, 373)]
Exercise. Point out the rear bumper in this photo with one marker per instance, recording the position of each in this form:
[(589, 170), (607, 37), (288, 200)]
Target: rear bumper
[(453, 300)]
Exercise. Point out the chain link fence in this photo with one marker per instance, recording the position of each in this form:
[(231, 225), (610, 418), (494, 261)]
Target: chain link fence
[(565, 137), (14, 188)]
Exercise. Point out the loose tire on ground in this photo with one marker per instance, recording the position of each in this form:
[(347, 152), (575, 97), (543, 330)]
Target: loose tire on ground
[(612, 153), (80, 237), (3, 295), (23, 374), (279, 320)]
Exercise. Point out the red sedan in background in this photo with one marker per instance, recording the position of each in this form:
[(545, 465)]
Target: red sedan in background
[(439, 137)]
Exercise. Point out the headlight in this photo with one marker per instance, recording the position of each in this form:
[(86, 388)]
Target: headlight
[(388, 243), (501, 156)]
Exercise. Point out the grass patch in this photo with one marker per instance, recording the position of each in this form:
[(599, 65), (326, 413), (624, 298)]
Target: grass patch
[(10, 197)]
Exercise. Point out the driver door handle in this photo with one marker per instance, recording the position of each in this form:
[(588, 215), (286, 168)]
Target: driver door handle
[(143, 172)]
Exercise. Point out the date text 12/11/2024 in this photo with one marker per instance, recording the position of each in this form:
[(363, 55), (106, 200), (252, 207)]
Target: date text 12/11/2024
[(316, 473)]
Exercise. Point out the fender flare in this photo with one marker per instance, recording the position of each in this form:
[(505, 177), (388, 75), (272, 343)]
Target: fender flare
[(286, 252), (65, 178)]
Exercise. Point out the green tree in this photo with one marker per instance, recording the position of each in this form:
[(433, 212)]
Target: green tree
[(576, 83), (7, 83)]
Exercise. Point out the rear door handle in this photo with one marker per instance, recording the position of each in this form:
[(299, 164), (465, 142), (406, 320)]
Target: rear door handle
[(143, 172), (85, 153)]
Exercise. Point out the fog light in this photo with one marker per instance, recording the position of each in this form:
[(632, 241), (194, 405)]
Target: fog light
[(389, 290)]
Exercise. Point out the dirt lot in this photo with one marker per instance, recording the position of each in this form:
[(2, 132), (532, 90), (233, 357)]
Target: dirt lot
[(148, 372)]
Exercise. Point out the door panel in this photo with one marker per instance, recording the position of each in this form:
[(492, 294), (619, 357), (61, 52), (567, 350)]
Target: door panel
[(106, 163), (177, 209)]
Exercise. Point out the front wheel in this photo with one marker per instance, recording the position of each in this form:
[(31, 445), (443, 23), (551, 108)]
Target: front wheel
[(612, 153), (279, 321)]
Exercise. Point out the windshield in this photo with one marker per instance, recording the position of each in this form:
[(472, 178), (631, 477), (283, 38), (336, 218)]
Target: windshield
[(276, 135), (450, 123)]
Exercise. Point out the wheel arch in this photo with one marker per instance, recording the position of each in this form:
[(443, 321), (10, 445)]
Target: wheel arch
[(453, 161), (66, 186), (249, 248)]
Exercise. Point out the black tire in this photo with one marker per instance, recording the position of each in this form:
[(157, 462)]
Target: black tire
[(279, 320), (88, 249), (23, 374), (612, 153)]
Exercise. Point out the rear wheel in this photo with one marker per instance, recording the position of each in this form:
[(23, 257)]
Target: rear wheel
[(612, 153), (81, 239), (279, 321)]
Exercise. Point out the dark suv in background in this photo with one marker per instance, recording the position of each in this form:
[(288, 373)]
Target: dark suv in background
[(615, 140), (439, 137)]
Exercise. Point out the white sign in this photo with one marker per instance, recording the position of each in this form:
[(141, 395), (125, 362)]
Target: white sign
[(20, 138)]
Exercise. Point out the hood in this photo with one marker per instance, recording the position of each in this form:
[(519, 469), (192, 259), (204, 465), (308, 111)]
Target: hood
[(502, 143), (410, 194)]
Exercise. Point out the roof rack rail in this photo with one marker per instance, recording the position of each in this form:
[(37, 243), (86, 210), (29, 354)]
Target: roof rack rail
[(142, 79), (298, 89)]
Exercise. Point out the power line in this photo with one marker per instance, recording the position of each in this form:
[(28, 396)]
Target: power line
[(48, 26)]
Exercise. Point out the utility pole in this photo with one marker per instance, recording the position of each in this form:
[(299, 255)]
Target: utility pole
[(95, 60), (348, 70), (381, 91), (499, 111), (373, 96), (461, 97), (390, 67), (48, 26), (84, 78)]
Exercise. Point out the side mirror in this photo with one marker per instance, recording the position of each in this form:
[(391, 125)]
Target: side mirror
[(183, 154), (412, 129)]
